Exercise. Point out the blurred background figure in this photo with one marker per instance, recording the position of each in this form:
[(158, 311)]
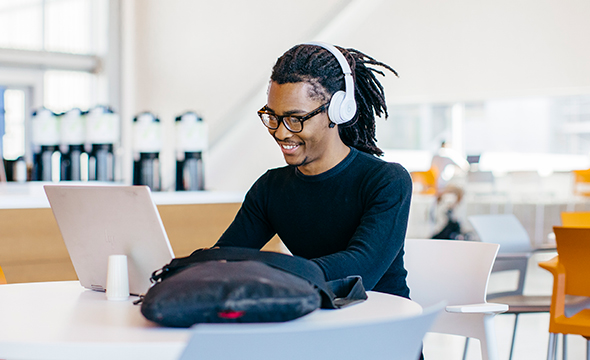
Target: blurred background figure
[(450, 169), (450, 166)]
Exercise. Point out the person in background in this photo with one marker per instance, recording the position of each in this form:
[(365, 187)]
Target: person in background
[(450, 166), (451, 169), (335, 202)]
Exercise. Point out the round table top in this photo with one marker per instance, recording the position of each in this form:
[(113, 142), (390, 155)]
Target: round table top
[(63, 320)]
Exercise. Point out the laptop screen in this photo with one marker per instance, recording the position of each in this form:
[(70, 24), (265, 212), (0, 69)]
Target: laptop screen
[(98, 221)]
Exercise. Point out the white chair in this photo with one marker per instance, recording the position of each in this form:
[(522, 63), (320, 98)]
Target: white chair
[(456, 272), (396, 339), (515, 251)]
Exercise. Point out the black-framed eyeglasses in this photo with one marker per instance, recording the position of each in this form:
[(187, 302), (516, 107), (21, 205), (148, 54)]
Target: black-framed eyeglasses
[(293, 123)]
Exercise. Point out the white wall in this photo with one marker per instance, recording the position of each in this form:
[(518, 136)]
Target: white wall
[(215, 58), (460, 49)]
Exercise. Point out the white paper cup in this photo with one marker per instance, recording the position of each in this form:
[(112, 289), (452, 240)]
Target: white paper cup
[(117, 278)]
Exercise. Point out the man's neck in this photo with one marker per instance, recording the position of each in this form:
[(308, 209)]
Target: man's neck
[(332, 159)]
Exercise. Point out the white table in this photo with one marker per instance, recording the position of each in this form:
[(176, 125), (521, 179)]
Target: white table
[(62, 320)]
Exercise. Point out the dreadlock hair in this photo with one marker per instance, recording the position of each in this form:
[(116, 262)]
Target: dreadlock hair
[(318, 67)]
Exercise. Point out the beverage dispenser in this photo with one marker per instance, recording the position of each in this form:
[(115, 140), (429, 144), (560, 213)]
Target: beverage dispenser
[(102, 133), (45, 140), (147, 143), (72, 133), (191, 142)]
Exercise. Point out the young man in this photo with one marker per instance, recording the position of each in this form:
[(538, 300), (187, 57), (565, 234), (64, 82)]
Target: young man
[(335, 203)]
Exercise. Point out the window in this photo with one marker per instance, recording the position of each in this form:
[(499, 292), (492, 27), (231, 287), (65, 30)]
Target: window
[(60, 44), (65, 90), (534, 127), (21, 24), (415, 127), (14, 120), (71, 26)]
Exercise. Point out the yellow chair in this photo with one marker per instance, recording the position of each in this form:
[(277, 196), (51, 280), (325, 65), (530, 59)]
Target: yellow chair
[(581, 182), (575, 219), (2, 277), (425, 181), (570, 282)]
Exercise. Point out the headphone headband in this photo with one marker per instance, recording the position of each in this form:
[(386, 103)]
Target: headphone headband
[(343, 104), (337, 54)]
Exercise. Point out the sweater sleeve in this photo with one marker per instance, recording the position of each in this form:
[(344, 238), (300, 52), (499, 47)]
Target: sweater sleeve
[(250, 228), (379, 238)]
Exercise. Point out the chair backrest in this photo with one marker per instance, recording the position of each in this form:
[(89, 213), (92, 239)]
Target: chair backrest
[(2, 277), (425, 181), (480, 177), (515, 246), (576, 219), (399, 339), (481, 181), (573, 249), (503, 229), (581, 182), (448, 270)]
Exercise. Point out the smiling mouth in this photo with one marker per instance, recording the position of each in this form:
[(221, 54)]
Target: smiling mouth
[(288, 148)]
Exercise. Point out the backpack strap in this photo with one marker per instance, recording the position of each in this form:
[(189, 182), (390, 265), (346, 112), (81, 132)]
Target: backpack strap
[(294, 265), (348, 290)]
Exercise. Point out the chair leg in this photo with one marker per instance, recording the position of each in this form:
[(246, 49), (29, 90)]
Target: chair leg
[(552, 348), (489, 346), (587, 349), (563, 347), (513, 336), (465, 349)]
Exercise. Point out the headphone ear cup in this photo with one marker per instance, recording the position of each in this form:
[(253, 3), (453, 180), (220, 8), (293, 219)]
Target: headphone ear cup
[(334, 107), (347, 109)]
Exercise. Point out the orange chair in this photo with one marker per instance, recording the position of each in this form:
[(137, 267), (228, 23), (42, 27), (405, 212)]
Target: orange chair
[(570, 279), (2, 277), (575, 219), (581, 182), (425, 181)]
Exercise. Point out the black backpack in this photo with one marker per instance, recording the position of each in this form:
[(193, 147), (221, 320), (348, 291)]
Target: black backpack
[(242, 285)]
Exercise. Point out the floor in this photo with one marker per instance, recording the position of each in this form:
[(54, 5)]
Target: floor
[(531, 336)]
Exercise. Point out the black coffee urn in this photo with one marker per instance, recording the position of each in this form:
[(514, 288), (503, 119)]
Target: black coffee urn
[(45, 140), (72, 133), (102, 135), (191, 142), (147, 144)]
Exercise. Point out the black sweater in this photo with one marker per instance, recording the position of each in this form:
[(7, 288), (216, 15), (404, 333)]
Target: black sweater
[(350, 220)]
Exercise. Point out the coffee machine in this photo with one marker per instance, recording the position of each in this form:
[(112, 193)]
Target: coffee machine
[(102, 134), (191, 142), (147, 144), (45, 140), (72, 133)]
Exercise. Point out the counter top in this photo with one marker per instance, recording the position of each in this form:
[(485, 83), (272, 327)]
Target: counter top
[(31, 195)]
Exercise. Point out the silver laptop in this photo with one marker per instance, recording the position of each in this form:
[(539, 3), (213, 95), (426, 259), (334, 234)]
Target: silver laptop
[(98, 221)]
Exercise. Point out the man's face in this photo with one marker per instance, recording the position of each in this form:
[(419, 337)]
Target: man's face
[(307, 149)]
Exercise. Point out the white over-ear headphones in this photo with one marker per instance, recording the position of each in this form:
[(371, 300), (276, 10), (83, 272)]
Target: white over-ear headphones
[(342, 106)]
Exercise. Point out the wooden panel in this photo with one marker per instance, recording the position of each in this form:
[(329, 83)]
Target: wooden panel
[(35, 271), (29, 235), (32, 249), (193, 226)]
